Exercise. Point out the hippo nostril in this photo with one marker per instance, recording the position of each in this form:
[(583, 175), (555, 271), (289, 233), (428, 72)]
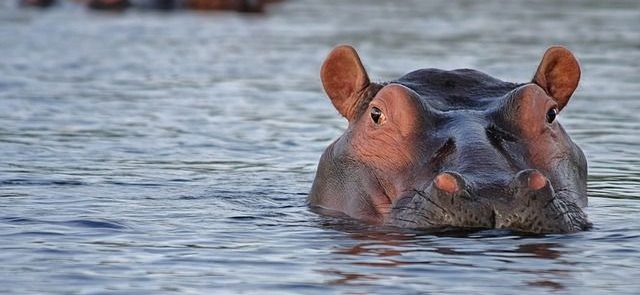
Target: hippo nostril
[(448, 182), (532, 185), (536, 180), (531, 179)]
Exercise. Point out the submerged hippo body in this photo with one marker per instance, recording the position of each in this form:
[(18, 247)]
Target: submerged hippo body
[(439, 149)]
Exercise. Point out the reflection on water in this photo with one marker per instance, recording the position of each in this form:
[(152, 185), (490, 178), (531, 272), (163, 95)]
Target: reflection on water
[(172, 153), (392, 255)]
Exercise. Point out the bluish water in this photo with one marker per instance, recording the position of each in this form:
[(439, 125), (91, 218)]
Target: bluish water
[(151, 153)]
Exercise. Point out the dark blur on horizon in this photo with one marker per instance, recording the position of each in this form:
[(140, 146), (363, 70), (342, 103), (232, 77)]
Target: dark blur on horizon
[(244, 6)]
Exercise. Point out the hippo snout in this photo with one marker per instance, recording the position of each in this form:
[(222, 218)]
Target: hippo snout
[(528, 203), (536, 207), (448, 201)]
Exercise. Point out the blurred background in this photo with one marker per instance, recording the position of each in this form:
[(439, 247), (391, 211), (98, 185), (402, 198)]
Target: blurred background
[(168, 146)]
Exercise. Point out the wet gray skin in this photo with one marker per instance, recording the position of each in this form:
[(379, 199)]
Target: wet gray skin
[(442, 149)]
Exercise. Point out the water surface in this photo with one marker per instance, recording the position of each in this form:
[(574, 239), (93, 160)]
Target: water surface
[(150, 153)]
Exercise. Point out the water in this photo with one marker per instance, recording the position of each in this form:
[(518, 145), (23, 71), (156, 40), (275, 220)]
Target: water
[(162, 153)]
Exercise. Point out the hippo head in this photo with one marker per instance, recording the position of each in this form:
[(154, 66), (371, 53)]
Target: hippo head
[(453, 149)]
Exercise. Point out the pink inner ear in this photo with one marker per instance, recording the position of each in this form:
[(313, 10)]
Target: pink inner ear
[(344, 78), (558, 74)]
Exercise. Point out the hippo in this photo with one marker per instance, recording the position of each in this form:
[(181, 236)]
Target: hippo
[(440, 150)]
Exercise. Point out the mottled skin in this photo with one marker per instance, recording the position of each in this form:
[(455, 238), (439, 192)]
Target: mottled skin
[(439, 149)]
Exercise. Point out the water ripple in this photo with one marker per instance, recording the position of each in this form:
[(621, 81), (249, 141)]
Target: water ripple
[(147, 153)]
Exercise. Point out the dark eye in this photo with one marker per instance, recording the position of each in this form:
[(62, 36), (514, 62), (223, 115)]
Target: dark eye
[(551, 115), (376, 113)]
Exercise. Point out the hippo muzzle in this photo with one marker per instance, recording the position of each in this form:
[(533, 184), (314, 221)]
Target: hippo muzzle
[(528, 204)]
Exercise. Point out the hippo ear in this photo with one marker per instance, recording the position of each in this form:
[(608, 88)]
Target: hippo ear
[(558, 74), (344, 78)]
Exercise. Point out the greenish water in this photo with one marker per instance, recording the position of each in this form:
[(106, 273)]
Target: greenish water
[(155, 153)]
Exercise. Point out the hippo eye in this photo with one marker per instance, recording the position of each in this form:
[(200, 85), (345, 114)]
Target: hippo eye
[(551, 115), (376, 113)]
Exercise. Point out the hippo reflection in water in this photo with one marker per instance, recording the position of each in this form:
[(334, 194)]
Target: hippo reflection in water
[(442, 149)]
